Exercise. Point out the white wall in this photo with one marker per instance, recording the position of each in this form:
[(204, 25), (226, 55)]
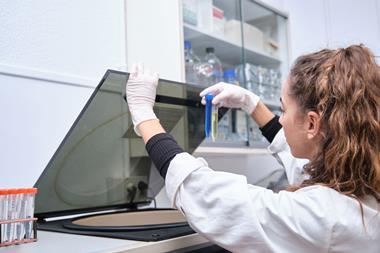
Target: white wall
[(154, 36), (317, 24), (52, 54)]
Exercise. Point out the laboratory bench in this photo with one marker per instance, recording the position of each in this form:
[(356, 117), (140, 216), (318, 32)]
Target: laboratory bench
[(62, 243)]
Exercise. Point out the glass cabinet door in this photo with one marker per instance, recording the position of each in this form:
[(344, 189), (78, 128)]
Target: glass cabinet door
[(240, 42), (212, 54), (265, 58)]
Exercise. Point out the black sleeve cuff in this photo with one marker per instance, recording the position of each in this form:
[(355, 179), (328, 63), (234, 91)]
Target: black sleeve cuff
[(271, 128), (162, 148)]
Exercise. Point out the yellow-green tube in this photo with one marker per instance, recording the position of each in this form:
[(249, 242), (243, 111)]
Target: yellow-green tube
[(214, 123)]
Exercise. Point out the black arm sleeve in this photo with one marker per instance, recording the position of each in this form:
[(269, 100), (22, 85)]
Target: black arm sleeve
[(271, 128), (162, 148)]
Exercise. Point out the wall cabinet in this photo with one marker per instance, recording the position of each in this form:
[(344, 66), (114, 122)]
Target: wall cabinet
[(250, 40), (247, 36)]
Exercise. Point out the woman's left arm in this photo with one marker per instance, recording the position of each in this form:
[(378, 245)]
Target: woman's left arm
[(141, 93), (150, 128)]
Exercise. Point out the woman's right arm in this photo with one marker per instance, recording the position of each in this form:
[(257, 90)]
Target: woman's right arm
[(261, 114), (233, 96)]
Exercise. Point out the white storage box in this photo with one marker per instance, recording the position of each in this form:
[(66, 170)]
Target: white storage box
[(253, 37), (205, 17), (218, 20)]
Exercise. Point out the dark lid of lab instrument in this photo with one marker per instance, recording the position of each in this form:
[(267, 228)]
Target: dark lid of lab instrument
[(101, 163)]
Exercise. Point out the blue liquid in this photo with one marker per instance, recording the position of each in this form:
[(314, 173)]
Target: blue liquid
[(211, 118)]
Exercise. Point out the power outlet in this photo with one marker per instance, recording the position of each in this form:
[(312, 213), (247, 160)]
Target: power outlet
[(136, 188)]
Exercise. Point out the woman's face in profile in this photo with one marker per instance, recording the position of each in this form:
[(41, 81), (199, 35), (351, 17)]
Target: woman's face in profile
[(295, 125)]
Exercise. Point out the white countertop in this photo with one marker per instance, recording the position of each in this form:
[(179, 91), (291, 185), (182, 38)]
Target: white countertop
[(62, 243)]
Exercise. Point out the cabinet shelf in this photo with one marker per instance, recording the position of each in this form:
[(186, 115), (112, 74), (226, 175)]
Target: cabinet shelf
[(223, 151), (226, 50)]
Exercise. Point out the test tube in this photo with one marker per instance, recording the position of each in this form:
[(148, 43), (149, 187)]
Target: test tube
[(11, 214), (20, 214), (23, 213), (16, 213), (30, 195), (3, 213), (211, 118), (214, 123), (6, 214)]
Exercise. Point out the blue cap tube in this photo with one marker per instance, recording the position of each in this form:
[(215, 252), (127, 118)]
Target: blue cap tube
[(208, 115)]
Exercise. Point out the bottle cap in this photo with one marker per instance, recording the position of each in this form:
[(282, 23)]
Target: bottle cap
[(209, 50), (3, 191), (12, 191), (229, 73), (20, 190), (187, 44), (32, 190)]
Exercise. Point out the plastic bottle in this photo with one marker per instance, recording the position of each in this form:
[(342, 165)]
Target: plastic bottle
[(191, 62), (216, 65)]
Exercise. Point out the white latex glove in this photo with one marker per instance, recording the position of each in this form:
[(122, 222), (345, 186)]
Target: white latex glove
[(141, 94), (232, 96)]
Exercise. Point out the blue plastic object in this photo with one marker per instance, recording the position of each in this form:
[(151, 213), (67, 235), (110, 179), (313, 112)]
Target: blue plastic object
[(229, 73), (187, 44), (208, 114)]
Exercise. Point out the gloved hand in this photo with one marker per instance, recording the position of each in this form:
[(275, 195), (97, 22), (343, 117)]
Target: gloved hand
[(141, 94), (232, 96)]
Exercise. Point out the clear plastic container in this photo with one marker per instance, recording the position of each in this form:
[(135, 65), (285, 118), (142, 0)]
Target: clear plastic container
[(190, 12), (263, 85), (227, 126), (204, 72), (251, 77), (216, 66), (191, 64)]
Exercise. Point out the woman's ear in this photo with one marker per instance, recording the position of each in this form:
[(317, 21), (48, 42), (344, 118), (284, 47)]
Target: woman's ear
[(313, 124)]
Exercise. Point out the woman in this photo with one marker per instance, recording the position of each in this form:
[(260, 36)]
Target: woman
[(331, 115)]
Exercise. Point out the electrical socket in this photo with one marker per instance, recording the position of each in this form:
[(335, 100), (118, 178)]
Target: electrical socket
[(132, 185)]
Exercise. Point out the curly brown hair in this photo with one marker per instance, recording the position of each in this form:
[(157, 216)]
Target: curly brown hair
[(343, 87)]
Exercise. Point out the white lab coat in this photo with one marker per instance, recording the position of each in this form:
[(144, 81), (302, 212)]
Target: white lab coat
[(241, 217)]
